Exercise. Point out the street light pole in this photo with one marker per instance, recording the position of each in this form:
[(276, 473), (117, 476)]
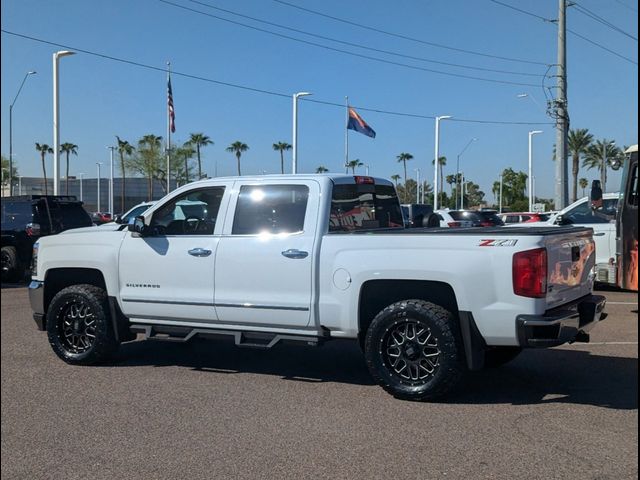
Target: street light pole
[(458, 167), (81, 175), (111, 180), (56, 119), (500, 209), (531, 134), (294, 149), (417, 185), (436, 163), (366, 169), (98, 201), (11, 132), (461, 190)]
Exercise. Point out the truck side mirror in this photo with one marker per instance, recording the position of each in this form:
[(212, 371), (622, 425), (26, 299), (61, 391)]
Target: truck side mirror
[(138, 226), (560, 220)]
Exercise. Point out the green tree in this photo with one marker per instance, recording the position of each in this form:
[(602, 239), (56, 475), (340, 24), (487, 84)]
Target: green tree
[(353, 164), (584, 183), (578, 143), (322, 169), (404, 158), (68, 148), (5, 172), (473, 196), (147, 160), (199, 140), (395, 179), (125, 150), (442, 161), (599, 155), (237, 148), (513, 188), (44, 149), (281, 147)]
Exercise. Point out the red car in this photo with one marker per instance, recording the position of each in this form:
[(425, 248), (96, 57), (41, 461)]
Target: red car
[(524, 217), (101, 217)]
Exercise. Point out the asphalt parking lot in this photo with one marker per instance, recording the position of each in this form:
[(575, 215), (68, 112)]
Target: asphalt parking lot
[(210, 410)]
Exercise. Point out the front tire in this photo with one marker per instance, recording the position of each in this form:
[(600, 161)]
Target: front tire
[(412, 350), (79, 325), (11, 266)]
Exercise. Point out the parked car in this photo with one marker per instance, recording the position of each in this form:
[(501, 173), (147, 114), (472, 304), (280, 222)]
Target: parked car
[(26, 218), (525, 217), (464, 218), (99, 218), (416, 214), (310, 258)]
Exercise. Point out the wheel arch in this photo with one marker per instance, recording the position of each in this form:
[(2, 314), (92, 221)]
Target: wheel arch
[(57, 279)]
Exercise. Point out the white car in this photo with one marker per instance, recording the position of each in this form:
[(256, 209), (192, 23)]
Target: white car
[(464, 218)]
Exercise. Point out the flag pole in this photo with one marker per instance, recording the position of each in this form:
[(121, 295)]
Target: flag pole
[(168, 128), (346, 136)]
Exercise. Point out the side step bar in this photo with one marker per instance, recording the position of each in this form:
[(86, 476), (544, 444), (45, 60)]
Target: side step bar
[(247, 339)]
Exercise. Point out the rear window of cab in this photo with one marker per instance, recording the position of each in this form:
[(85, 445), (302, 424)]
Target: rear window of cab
[(364, 207)]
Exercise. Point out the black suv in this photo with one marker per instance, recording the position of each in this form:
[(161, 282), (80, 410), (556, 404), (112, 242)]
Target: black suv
[(28, 217)]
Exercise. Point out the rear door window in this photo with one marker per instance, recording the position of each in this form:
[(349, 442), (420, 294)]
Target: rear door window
[(364, 207), (270, 209), (15, 215), (69, 215)]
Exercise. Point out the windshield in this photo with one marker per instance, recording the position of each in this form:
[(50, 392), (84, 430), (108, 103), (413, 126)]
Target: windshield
[(134, 212)]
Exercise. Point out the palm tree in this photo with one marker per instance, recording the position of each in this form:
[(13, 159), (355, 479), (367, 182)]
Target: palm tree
[(124, 148), (237, 148), (404, 158), (322, 169), (584, 183), (68, 148), (44, 149), (353, 164), (442, 161), (199, 140), (578, 143), (281, 146), (599, 155), (149, 148), (395, 179)]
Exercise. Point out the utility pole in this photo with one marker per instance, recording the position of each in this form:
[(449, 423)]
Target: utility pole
[(562, 115)]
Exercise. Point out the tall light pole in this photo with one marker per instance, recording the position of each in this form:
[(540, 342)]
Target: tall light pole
[(500, 210), (417, 170), (436, 163), (462, 191), (81, 175), (99, 164), (111, 180), (603, 169), (366, 170), (531, 134), (56, 119), (294, 148), (19, 184), (11, 131), (458, 184)]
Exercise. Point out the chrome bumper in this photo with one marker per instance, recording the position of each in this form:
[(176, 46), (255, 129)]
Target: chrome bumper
[(36, 298)]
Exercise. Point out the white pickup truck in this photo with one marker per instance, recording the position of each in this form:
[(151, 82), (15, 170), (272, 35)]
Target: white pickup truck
[(309, 258)]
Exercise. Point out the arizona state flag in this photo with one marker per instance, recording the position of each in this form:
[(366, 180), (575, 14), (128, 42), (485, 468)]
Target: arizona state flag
[(359, 125)]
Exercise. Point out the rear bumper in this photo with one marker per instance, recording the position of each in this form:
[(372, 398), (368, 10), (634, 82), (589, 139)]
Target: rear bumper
[(36, 298), (568, 323)]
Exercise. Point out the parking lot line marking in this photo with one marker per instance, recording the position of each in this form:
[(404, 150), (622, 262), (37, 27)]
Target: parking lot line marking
[(622, 303), (611, 343)]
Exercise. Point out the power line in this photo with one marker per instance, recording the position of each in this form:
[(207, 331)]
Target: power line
[(365, 47), (253, 89), (548, 20), (406, 37), (599, 19), (346, 52)]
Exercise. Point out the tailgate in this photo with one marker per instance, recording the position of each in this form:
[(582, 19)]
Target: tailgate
[(570, 261)]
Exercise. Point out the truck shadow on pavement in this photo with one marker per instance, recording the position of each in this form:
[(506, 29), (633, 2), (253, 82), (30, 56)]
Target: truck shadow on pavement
[(535, 377)]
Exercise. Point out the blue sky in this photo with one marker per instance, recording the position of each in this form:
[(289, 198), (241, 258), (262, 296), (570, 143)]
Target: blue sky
[(102, 98)]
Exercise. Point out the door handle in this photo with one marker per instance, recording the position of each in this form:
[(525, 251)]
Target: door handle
[(199, 252), (295, 253), (599, 234)]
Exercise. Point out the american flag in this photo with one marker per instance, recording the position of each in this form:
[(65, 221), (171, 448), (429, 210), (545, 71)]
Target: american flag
[(172, 113)]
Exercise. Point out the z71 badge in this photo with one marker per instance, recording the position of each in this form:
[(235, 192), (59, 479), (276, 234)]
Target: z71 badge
[(498, 243)]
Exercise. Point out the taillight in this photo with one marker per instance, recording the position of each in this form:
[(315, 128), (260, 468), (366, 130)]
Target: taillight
[(454, 224), (364, 180), (33, 229), (530, 273), (486, 224)]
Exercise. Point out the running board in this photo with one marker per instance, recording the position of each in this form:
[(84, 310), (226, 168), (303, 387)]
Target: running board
[(247, 339)]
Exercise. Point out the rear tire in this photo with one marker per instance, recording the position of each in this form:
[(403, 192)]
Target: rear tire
[(11, 266), (79, 325), (412, 350), (497, 356)]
